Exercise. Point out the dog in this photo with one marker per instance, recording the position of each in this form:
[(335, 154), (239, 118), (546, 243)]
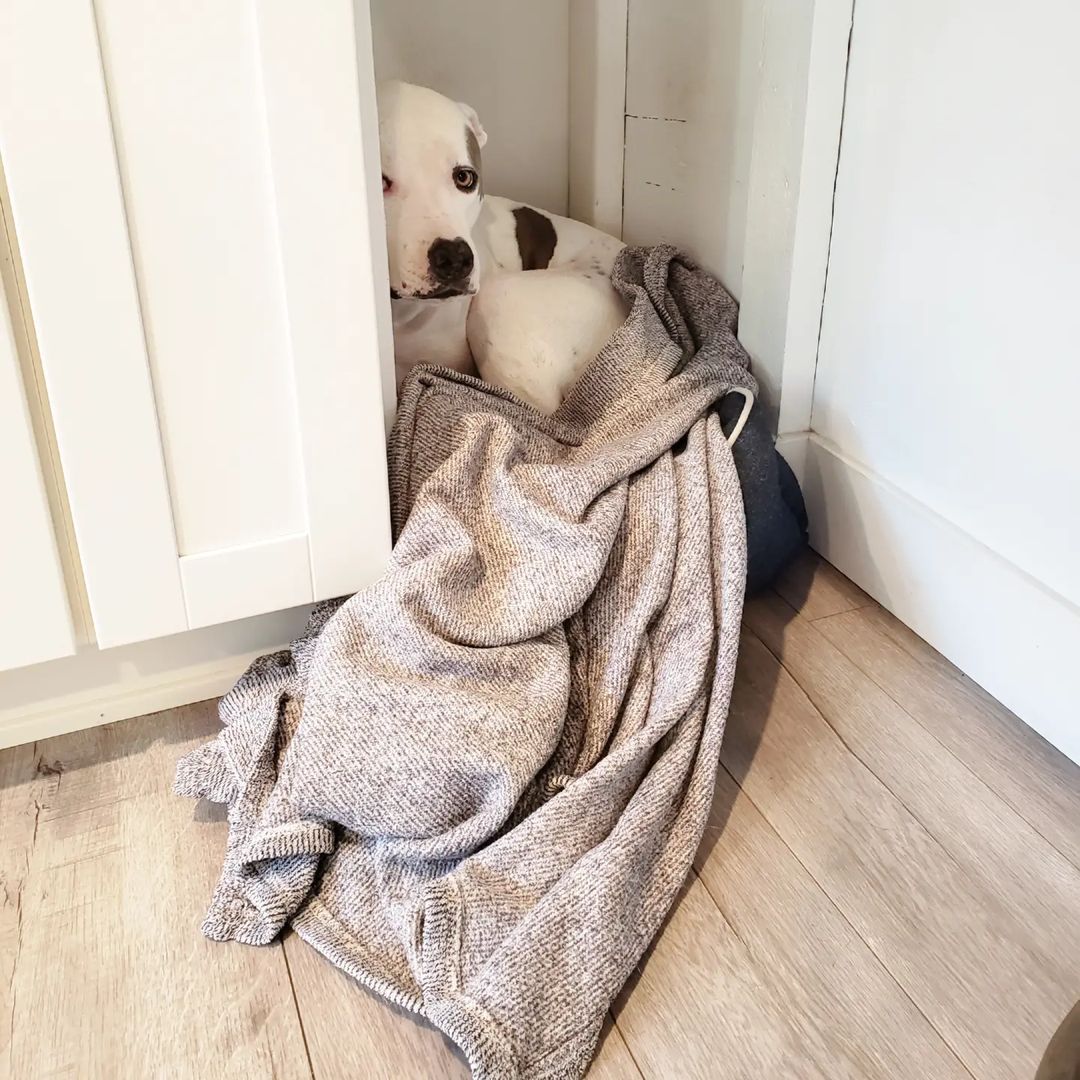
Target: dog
[(480, 283)]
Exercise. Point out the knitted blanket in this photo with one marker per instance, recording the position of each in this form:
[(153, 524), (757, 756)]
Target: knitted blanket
[(477, 785)]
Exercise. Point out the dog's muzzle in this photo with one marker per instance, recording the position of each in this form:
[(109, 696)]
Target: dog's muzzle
[(450, 263)]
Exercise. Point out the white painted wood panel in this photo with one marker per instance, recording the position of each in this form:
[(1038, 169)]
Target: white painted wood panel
[(258, 331), (949, 357), (732, 132), (778, 120), (69, 221), (250, 580), (369, 138), (802, 295), (692, 80), (597, 111), (509, 59), (323, 137), (100, 686), (35, 621), (188, 113), (797, 123)]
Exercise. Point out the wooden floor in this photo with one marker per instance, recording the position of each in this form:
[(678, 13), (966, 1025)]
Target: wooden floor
[(889, 887)]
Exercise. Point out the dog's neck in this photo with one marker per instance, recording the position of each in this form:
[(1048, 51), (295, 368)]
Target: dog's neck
[(431, 332)]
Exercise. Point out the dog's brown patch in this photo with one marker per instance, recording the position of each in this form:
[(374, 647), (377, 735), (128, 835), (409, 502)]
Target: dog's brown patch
[(472, 147), (536, 238)]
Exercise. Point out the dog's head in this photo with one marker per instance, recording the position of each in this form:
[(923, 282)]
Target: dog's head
[(431, 190)]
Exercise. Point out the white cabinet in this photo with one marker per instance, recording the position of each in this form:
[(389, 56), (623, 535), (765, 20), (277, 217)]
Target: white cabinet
[(35, 623), (193, 189)]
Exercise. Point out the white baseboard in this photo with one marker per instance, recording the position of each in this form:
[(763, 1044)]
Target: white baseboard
[(1016, 638), (100, 686), (120, 701)]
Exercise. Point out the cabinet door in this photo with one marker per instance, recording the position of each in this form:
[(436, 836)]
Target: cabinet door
[(35, 623), (195, 194)]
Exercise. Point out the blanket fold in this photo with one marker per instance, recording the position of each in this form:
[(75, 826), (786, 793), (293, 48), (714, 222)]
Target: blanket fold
[(478, 784)]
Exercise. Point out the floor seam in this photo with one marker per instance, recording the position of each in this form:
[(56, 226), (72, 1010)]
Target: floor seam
[(625, 1042), (944, 746), (296, 1006), (868, 767), (809, 873), (832, 614)]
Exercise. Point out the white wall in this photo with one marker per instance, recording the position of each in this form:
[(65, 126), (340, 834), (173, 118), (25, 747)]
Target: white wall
[(949, 370), (508, 59)]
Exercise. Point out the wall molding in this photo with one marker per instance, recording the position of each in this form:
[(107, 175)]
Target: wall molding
[(953, 591), (121, 701)]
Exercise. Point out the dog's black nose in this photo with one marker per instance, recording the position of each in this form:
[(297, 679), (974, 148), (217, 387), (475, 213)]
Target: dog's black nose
[(451, 261)]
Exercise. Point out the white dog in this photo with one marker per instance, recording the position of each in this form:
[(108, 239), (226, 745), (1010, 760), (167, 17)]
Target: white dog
[(457, 256)]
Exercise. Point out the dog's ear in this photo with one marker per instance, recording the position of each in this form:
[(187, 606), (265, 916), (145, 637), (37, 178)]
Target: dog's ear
[(472, 122)]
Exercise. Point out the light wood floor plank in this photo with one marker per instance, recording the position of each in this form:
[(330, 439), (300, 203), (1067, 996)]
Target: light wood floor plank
[(969, 967), (383, 1042), (1030, 879), (1036, 780), (816, 589), (699, 1008), (21, 792), (836, 991), (112, 977), (386, 1042)]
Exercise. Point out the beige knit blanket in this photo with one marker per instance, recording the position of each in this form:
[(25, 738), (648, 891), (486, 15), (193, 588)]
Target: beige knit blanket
[(477, 785)]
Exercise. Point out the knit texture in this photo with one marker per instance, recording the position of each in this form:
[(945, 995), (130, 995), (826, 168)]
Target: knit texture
[(477, 785)]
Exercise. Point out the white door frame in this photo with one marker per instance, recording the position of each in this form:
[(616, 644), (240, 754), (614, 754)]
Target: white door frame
[(796, 149)]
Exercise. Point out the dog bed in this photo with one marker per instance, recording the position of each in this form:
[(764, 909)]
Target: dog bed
[(477, 785)]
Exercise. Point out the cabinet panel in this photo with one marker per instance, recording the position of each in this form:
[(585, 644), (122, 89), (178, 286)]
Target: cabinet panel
[(189, 123), (249, 580), (324, 148), (69, 223), (222, 391), (951, 369), (35, 623)]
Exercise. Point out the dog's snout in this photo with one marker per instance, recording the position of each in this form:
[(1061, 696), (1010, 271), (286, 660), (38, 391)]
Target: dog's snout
[(451, 261)]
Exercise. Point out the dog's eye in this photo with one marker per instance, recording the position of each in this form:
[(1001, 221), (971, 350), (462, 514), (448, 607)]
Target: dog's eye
[(465, 179), (387, 183)]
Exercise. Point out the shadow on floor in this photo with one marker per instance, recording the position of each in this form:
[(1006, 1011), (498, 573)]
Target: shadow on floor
[(748, 716)]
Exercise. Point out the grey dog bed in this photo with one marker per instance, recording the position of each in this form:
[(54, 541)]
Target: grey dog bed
[(776, 523), (478, 784)]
